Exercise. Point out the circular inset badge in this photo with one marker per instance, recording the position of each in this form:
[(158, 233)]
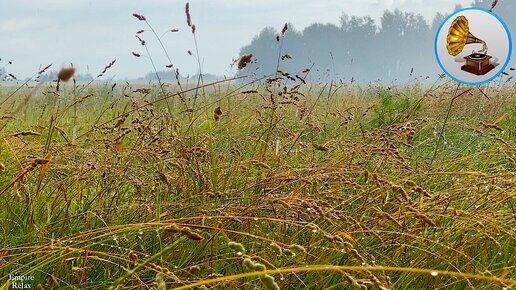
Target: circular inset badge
[(473, 46)]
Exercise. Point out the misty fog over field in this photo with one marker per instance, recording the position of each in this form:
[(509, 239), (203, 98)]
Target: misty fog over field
[(399, 47), (384, 44)]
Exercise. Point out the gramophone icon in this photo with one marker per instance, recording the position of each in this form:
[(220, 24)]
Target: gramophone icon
[(478, 63)]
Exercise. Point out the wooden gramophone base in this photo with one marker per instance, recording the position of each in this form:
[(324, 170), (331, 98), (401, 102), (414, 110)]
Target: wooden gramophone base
[(476, 71), (478, 64)]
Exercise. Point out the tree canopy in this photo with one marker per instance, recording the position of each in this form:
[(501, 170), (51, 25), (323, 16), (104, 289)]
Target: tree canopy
[(398, 47)]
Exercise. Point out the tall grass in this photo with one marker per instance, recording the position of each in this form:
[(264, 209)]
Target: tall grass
[(296, 182)]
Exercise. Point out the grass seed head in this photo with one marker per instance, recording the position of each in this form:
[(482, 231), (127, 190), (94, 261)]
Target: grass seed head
[(160, 282), (244, 60), (188, 17), (66, 73), (285, 28), (269, 283), (26, 133), (289, 253), (253, 266), (277, 249), (139, 16), (191, 235), (297, 248), (236, 247), (217, 113), (133, 257)]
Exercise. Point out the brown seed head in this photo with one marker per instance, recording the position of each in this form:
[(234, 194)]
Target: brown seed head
[(286, 56), (66, 73), (188, 18), (106, 68), (142, 42), (140, 17), (44, 69), (493, 5), (217, 113), (244, 60), (285, 28)]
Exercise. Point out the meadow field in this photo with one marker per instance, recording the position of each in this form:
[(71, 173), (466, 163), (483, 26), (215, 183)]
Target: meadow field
[(272, 183)]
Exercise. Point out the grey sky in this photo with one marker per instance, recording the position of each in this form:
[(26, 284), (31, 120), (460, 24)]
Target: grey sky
[(91, 33)]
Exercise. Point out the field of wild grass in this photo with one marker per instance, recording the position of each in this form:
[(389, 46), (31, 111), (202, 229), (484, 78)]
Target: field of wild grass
[(258, 185)]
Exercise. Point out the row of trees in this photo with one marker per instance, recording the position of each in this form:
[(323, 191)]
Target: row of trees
[(399, 47)]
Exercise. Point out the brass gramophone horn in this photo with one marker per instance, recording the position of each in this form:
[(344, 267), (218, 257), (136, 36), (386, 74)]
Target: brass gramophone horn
[(459, 36)]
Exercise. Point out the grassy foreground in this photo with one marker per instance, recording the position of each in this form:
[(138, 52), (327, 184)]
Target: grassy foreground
[(263, 186)]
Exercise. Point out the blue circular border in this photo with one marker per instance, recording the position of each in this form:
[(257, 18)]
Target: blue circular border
[(506, 31)]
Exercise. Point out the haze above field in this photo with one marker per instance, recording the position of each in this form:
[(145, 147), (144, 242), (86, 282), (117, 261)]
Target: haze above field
[(92, 33)]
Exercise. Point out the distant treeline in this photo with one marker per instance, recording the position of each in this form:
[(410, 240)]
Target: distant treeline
[(399, 47)]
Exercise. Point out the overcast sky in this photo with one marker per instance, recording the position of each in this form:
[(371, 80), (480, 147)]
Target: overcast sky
[(91, 33)]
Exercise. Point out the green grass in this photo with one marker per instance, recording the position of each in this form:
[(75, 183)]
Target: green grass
[(369, 181)]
